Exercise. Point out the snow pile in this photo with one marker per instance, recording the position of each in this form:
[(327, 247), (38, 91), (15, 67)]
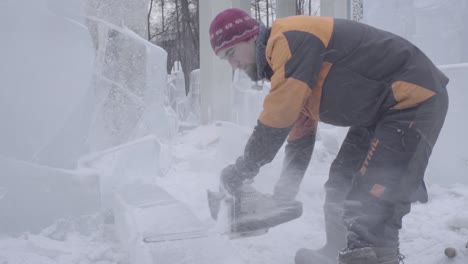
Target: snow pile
[(84, 240)]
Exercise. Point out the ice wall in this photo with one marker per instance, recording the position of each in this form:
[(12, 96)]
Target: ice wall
[(437, 27), (46, 106), (46, 68), (129, 83), (75, 83)]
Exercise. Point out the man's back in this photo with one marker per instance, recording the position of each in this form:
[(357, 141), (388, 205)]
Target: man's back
[(365, 71)]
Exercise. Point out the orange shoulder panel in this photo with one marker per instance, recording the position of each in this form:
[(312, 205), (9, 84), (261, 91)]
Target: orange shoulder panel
[(287, 96), (322, 27)]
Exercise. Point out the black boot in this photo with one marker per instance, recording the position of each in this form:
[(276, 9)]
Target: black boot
[(335, 233), (361, 251)]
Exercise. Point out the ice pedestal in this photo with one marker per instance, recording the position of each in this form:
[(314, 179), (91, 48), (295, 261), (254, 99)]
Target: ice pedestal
[(147, 211), (33, 197), (138, 161), (142, 209)]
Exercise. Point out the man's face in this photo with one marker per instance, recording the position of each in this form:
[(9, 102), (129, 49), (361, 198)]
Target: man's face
[(242, 56)]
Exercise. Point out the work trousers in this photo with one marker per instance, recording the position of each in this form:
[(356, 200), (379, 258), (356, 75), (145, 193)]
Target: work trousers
[(378, 172)]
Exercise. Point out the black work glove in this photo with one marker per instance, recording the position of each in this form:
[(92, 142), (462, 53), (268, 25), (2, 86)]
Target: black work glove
[(260, 149), (230, 179), (233, 176)]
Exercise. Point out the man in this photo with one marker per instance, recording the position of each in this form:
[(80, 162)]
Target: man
[(343, 73)]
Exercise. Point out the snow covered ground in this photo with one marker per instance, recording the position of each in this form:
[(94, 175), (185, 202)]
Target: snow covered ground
[(199, 156)]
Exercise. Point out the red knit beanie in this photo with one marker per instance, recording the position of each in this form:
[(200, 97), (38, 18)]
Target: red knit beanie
[(231, 26)]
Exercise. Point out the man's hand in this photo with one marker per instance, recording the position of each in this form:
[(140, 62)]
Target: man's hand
[(234, 175), (231, 179)]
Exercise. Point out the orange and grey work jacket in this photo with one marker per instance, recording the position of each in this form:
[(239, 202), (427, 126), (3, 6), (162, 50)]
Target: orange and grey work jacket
[(336, 71)]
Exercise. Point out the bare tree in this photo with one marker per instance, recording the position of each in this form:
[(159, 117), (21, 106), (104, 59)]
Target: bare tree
[(267, 3), (148, 18), (299, 7), (257, 10), (190, 40), (263, 10), (158, 30), (176, 30), (179, 32), (188, 23), (162, 14)]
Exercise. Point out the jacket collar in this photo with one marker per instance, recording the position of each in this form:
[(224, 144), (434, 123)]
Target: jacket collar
[(264, 70)]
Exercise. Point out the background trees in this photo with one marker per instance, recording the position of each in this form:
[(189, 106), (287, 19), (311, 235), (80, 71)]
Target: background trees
[(174, 26)]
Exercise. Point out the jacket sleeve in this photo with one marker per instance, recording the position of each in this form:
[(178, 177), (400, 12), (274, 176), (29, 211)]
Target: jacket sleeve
[(260, 149), (281, 108), (296, 58), (290, 88)]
